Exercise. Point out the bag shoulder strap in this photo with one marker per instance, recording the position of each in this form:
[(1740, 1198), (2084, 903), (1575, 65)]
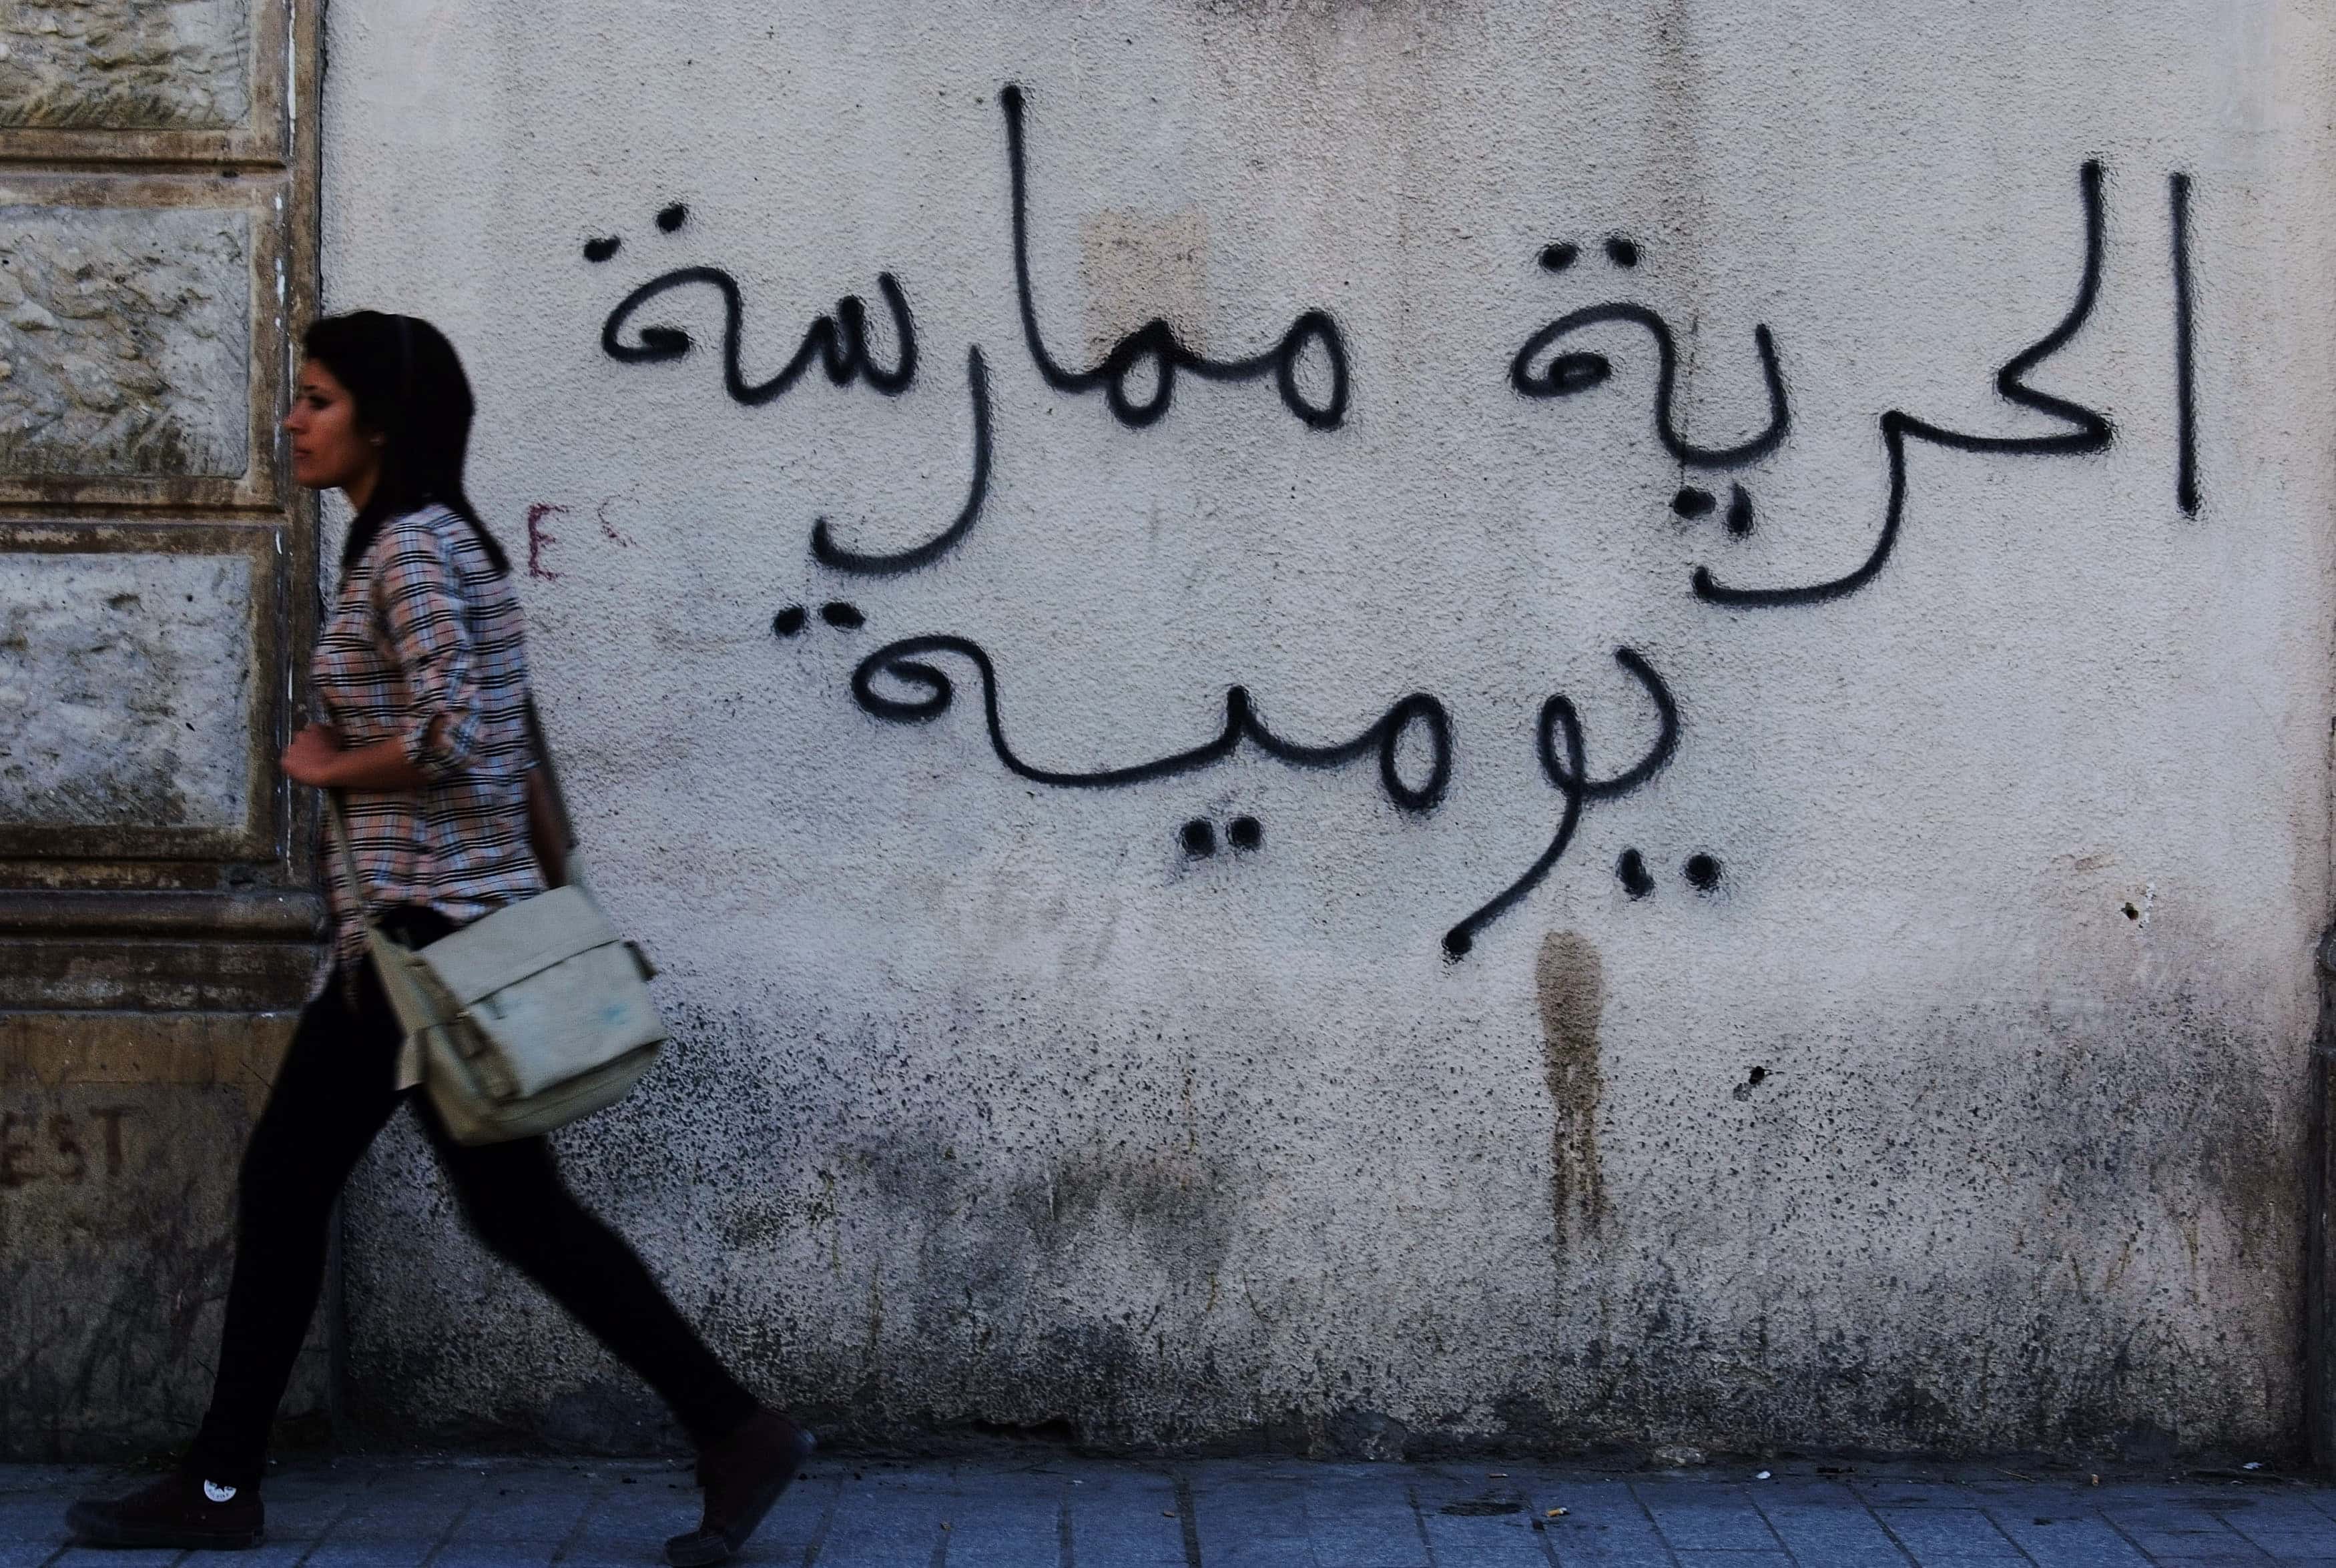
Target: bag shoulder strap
[(542, 746)]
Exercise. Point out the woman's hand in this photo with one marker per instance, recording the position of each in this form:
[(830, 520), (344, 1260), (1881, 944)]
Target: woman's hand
[(312, 756), (318, 756)]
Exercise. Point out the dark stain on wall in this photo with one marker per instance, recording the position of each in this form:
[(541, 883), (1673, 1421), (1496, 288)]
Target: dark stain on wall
[(1569, 981)]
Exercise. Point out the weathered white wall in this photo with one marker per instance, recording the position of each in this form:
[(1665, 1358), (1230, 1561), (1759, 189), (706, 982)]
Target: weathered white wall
[(1963, 1110)]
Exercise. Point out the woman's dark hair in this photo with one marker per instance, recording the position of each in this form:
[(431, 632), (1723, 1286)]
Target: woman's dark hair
[(410, 391)]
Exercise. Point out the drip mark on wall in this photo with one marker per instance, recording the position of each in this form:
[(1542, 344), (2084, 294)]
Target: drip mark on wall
[(1570, 984)]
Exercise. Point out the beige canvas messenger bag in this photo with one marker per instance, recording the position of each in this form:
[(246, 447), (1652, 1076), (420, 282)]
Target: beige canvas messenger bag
[(526, 1019)]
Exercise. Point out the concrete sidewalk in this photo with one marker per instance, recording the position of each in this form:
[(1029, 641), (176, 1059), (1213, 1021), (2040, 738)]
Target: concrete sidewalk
[(1048, 1511)]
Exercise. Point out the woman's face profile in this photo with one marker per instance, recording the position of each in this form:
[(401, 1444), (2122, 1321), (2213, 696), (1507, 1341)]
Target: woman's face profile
[(328, 450)]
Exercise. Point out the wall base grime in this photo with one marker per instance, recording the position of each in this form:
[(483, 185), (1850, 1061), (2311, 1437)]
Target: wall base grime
[(120, 1136)]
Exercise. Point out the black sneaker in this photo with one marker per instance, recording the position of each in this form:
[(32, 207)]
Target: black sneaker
[(743, 1474), (182, 1510)]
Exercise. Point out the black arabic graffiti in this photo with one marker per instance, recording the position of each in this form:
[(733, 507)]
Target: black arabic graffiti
[(838, 344), (1579, 371), (1571, 373), (1570, 774), (905, 663), (901, 682), (827, 552), (2185, 344)]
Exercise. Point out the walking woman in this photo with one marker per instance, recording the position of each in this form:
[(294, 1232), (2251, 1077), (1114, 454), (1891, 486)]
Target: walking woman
[(420, 671)]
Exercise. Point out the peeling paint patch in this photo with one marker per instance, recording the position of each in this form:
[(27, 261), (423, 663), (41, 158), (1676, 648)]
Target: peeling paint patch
[(1138, 267)]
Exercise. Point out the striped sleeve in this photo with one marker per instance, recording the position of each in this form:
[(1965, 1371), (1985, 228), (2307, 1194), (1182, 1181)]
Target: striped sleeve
[(417, 594)]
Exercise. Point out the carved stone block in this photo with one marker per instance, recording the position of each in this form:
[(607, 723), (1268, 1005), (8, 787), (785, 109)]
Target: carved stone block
[(125, 689), (125, 341), (125, 64)]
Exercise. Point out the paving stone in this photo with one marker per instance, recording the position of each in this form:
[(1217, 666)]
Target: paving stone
[(886, 1519), (1129, 1517), (2070, 1538), (302, 1508), (1452, 1509), (521, 1506), (369, 1555), (1486, 1543), (1246, 1518), (361, 1512), (1701, 1517), (1604, 1524), (93, 1557), (1898, 1493), (2177, 1529), (1839, 1530), (1361, 1517), (627, 1525), (31, 1529), (2288, 1527), (1938, 1534), (1011, 1519)]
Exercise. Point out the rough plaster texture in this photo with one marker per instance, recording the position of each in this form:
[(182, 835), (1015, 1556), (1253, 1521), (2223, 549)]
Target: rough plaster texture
[(125, 64), (125, 340), (1960, 1108), (125, 689)]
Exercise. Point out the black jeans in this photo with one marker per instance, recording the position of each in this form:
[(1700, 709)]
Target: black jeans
[(331, 1094)]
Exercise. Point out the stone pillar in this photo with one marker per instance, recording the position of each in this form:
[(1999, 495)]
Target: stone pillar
[(158, 176)]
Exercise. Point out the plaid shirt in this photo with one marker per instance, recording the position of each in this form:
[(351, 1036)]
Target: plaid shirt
[(425, 646)]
